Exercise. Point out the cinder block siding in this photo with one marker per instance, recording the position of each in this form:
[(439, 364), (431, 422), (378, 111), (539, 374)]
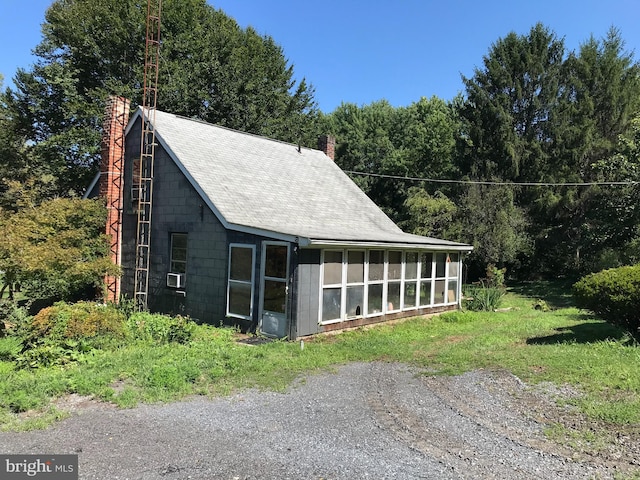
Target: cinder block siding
[(177, 208)]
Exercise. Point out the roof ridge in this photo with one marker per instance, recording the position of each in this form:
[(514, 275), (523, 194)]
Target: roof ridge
[(242, 132)]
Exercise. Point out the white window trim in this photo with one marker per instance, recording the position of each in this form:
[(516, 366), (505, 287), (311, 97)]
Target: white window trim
[(382, 282), (405, 280), (341, 285), (229, 281), (346, 284), (427, 279), (263, 276), (419, 280)]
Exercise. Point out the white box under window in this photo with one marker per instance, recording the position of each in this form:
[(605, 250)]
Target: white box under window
[(175, 280)]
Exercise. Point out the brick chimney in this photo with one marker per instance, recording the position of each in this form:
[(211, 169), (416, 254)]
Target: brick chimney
[(327, 143), (111, 182)]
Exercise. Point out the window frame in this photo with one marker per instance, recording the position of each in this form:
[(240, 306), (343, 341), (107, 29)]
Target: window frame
[(397, 282), (332, 286), (453, 277), (425, 275), (347, 283), (427, 278), (369, 282), (251, 282), (440, 278), (411, 281), (172, 260)]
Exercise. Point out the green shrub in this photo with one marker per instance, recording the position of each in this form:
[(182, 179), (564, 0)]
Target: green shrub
[(9, 348), (486, 295), (82, 320), (13, 318), (614, 295), (483, 298), (64, 332), (158, 328)]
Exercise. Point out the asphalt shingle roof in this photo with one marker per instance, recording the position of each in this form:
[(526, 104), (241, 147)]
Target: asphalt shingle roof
[(258, 183)]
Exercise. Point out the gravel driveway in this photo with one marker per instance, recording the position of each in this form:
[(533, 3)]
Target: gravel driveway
[(366, 420)]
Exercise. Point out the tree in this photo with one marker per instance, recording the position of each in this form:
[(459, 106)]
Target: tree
[(495, 226), (532, 115), (600, 95), (210, 69), (508, 108), (378, 139), (431, 215), (57, 250)]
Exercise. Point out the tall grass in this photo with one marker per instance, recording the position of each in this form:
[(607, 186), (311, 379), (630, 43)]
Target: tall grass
[(564, 346)]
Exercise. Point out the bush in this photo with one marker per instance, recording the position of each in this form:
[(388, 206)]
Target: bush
[(57, 250), (64, 332), (614, 295), (82, 320), (155, 327), (13, 318), (483, 298), (486, 296)]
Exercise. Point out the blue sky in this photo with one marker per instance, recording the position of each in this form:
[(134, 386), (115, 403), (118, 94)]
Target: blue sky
[(361, 51)]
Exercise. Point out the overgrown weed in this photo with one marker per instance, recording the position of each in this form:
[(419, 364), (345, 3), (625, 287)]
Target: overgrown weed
[(564, 346)]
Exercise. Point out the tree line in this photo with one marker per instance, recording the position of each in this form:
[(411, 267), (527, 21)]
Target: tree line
[(542, 147), (516, 165)]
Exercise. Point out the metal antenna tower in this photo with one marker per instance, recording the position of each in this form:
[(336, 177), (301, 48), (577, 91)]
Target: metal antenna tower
[(147, 153)]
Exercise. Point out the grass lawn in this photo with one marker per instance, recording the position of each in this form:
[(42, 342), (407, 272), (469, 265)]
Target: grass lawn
[(563, 345)]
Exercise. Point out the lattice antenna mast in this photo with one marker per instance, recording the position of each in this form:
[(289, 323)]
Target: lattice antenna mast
[(147, 153)]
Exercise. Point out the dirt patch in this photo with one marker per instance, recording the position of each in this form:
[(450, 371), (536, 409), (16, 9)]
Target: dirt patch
[(74, 403), (564, 431)]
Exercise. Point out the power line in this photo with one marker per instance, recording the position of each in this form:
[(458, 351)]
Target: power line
[(487, 182)]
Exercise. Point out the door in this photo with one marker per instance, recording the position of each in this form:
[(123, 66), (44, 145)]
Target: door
[(274, 289)]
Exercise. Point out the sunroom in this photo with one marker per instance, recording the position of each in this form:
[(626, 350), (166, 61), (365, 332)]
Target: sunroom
[(369, 283)]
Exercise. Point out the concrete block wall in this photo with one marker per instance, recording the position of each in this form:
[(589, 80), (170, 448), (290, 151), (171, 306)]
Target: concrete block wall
[(177, 208)]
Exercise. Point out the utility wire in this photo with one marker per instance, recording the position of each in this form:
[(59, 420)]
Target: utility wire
[(486, 182)]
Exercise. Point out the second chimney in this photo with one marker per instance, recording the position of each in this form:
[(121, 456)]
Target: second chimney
[(327, 143)]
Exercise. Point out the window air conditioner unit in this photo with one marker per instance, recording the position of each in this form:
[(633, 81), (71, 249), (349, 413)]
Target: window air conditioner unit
[(175, 280)]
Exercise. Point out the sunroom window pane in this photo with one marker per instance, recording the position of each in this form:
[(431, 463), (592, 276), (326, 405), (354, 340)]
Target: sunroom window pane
[(439, 291), (441, 259), (452, 291), (393, 296), (453, 265), (427, 260), (411, 267), (425, 294), (395, 265), (331, 303), (409, 294), (355, 300), (376, 265), (375, 298), (355, 267), (332, 268)]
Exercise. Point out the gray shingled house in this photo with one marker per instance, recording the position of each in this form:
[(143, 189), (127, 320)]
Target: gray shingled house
[(272, 237)]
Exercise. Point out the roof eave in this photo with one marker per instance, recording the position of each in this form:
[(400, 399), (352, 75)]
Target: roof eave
[(450, 246)]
